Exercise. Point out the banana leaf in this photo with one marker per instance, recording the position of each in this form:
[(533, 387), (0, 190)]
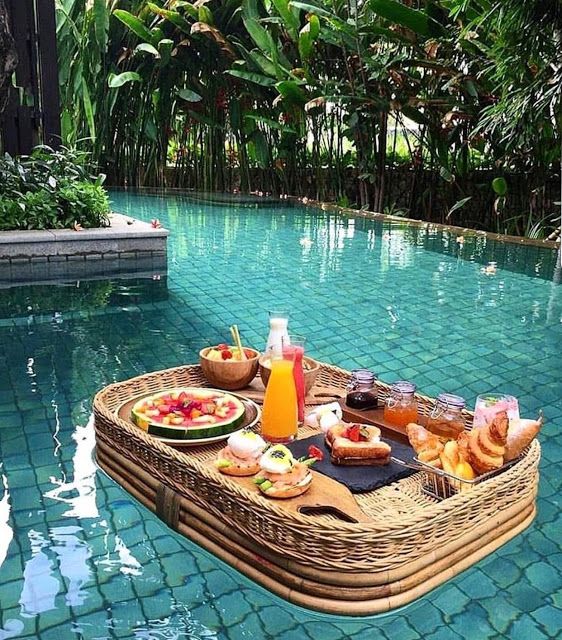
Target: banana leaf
[(418, 21)]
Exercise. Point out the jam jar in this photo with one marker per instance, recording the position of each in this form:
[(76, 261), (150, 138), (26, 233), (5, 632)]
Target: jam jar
[(401, 406), (446, 419), (361, 390)]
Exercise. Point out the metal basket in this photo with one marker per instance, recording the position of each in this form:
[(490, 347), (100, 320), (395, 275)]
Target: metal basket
[(441, 485)]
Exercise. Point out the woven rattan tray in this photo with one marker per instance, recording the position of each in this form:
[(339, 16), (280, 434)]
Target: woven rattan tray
[(403, 544)]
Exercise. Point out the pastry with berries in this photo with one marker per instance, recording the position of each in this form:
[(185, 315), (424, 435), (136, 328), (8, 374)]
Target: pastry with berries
[(357, 445)]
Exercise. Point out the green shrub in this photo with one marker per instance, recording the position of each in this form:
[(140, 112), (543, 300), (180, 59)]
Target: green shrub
[(51, 190), (85, 202)]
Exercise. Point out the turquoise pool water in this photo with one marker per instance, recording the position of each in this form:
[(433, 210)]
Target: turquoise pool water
[(80, 559)]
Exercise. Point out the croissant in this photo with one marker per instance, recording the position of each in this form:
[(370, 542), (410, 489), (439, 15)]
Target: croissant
[(455, 464), (427, 445), (486, 445), (520, 435), (450, 456), (462, 442)]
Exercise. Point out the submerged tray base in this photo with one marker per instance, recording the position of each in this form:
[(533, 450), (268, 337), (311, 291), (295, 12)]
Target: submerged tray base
[(352, 593)]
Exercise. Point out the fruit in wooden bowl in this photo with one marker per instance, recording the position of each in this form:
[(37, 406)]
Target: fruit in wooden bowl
[(310, 367), (224, 368)]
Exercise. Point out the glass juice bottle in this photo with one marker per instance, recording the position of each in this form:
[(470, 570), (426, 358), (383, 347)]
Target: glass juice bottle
[(280, 410), (401, 406), (278, 323)]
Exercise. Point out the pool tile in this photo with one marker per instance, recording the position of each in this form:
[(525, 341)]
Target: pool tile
[(543, 576), (549, 619), (525, 628)]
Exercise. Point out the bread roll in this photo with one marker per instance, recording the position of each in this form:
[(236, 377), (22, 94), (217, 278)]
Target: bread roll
[(520, 435)]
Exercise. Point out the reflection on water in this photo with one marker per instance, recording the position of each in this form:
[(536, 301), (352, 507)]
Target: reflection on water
[(80, 492), (179, 625), (73, 556), (6, 531), (63, 556), (40, 586), (36, 303), (118, 557)]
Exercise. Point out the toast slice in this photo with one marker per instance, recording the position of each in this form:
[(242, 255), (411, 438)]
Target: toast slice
[(367, 451), (339, 430), (359, 462)]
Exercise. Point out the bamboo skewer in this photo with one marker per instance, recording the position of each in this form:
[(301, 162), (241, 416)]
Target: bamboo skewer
[(236, 337)]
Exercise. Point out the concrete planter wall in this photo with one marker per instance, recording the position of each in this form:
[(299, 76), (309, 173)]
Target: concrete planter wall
[(127, 245)]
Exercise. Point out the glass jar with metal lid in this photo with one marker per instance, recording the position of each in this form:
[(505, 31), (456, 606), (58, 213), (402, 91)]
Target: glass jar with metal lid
[(446, 419), (401, 406), (361, 390)]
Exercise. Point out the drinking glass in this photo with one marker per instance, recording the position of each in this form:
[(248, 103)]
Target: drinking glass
[(293, 349), (489, 404)]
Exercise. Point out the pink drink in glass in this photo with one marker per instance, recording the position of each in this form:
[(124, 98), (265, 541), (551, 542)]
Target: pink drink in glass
[(293, 349), (488, 405)]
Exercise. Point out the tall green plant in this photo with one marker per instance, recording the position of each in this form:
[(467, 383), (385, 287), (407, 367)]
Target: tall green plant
[(296, 97)]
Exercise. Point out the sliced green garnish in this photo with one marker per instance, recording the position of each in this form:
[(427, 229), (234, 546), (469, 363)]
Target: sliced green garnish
[(259, 480), (222, 463), (265, 485)]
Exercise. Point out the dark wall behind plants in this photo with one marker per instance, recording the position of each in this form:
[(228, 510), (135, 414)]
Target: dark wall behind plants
[(285, 97)]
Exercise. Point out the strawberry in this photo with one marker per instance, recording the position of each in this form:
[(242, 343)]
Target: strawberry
[(354, 433), (222, 347), (315, 452), (226, 354)]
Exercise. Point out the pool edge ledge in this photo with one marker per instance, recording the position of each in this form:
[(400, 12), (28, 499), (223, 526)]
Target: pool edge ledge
[(454, 229), (128, 247), (125, 235)]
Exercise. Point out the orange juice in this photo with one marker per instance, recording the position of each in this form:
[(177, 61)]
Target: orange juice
[(279, 413)]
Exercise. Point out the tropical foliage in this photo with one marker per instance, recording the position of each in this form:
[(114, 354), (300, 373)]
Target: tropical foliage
[(51, 190), (297, 97)]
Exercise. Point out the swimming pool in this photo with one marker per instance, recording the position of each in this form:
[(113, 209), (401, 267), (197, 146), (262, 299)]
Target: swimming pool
[(80, 559)]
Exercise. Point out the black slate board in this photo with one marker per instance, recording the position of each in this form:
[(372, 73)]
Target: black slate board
[(356, 479)]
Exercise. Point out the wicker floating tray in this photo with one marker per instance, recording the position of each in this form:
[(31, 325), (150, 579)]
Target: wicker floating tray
[(400, 542)]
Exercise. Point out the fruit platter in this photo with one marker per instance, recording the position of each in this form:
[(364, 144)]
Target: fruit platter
[(321, 546), (192, 414)]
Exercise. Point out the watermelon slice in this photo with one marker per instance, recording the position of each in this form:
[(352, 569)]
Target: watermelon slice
[(189, 413)]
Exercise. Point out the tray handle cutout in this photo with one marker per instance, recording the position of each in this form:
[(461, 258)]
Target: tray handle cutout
[(325, 510)]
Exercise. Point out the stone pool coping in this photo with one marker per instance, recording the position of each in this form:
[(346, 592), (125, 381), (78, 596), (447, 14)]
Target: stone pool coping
[(460, 231), (125, 236)]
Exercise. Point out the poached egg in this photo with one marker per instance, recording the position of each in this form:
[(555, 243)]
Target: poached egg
[(246, 444), (277, 459)]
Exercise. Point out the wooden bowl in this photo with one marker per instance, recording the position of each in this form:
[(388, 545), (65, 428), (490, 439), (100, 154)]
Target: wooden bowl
[(230, 374), (311, 371)]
